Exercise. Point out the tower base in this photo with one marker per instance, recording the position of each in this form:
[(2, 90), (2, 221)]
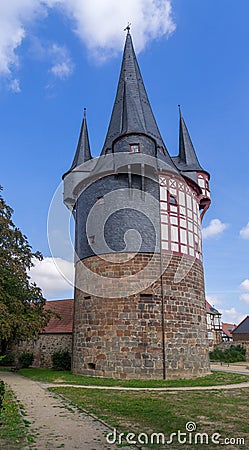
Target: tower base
[(158, 333)]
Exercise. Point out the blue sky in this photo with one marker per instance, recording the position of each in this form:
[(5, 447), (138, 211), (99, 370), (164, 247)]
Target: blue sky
[(59, 56)]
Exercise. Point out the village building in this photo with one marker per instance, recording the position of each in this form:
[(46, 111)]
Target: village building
[(56, 336), (241, 335), (214, 327), (227, 330)]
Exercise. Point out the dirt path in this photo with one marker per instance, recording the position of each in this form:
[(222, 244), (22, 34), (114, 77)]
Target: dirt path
[(52, 424)]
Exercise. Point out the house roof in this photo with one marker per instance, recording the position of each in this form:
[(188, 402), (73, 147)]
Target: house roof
[(243, 327), (211, 310), (65, 309), (227, 328)]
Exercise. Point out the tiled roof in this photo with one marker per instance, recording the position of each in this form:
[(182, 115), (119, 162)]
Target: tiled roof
[(243, 327), (227, 328), (211, 310), (65, 309)]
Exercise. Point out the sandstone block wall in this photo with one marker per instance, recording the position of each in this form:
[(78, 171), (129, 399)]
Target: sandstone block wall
[(43, 348), (135, 336)]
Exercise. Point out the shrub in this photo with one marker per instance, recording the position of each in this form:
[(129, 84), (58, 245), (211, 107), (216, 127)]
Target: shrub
[(7, 360), (2, 391), (26, 359), (235, 353), (61, 360)]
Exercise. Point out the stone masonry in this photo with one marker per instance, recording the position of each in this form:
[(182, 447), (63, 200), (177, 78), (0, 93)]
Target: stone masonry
[(137, 336), (43, 348)]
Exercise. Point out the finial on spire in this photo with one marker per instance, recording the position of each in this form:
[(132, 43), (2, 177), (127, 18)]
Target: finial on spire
[(128, 27), (84, 113), (179, 107)]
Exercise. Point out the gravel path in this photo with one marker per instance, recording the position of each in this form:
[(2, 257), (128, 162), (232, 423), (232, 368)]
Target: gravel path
[(53, 425)]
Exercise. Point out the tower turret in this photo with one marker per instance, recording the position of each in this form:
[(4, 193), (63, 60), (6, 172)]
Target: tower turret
[(83, 152), (139, 297), (188, 164)]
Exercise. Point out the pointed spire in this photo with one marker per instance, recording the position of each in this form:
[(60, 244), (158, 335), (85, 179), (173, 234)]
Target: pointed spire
[(187, 155), (131, 112), (83, 152)]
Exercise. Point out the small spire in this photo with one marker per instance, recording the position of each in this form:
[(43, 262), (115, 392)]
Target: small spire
[(128, 28), (187, 153), (83, 152)]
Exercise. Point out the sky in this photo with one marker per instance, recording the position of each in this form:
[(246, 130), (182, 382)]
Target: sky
[(59, 56)]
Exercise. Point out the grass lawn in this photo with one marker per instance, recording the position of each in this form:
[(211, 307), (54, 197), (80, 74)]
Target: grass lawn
[(223, 412), (12, 427), (52, 376)]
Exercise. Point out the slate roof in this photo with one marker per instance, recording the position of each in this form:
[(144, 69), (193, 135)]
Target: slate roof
[(243, 327), (227, 328), (83, 152), (132, 111), (186, 160), (65, 309), (132, 115)]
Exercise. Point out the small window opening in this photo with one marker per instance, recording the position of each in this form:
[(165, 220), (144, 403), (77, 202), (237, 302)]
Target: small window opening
[(146, 298), (87, 297), (134, 148), (100, 200), (91, 239), (92, 366), (172, 200)]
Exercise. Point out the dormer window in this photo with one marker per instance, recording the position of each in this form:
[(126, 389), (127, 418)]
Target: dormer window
[(135, 148)]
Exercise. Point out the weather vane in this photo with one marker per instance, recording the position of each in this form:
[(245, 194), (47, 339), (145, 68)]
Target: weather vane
[(128, 27)]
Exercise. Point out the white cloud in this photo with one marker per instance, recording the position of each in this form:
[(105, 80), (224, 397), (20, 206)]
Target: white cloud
[(213, 301), (231, 316), (245, 297), (14, 18), (215, 228), (245, 285), (14, 86), (244, 232), (98, 24), (63, 66), (53, 276)]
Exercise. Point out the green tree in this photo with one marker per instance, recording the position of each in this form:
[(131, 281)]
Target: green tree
[(22, 312)]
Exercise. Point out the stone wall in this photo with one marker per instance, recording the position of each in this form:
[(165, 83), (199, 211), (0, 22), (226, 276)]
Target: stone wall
[(241, 337), (244, 344), (141, 336), (225, 345), (43, 348)]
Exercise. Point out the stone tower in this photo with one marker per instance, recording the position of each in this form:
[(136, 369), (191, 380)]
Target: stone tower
[(139, 286)]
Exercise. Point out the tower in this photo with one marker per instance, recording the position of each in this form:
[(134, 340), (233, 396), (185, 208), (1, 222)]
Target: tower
[(139, 288)]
